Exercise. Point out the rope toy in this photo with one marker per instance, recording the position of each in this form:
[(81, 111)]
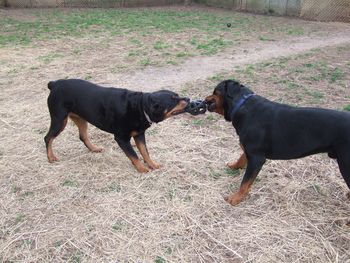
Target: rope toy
[(196, 107)]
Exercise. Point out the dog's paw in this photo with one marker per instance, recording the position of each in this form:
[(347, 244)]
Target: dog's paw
[(52, 158), (96, 149), (233, 165), (153, 165), (234, 199), (142, 169)]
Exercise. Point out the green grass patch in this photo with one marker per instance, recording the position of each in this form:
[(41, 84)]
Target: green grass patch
[(160, 45), (212, 46), (336, 74), (159, 260), (47, 59), (70, 183), (347, 107), (264, 38), (112, 188), (53, 24), (231, 172), (145, 62), (19, 218), (117, 226)]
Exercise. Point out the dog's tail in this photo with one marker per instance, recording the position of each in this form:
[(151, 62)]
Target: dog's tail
[(51, 84)]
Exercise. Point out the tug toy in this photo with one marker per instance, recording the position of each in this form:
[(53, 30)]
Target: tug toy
[(196, 107)]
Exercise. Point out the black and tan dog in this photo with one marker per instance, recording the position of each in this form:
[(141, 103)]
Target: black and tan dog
[(121, 112), (269, 130)]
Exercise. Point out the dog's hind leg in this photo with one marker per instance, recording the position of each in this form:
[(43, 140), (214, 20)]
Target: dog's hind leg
[(240, 163), (343, 159), (58, 123), (254, 166), (83, 134)]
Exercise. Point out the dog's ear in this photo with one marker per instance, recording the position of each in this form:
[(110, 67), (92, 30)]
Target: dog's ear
[(232, 88), (156, 111)]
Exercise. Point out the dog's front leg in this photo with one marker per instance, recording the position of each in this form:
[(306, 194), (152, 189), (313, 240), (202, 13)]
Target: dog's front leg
[(140, 141), (254, 166), (124, 144)]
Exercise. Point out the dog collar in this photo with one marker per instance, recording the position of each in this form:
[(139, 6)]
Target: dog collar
[(239, 104), (148, 118)]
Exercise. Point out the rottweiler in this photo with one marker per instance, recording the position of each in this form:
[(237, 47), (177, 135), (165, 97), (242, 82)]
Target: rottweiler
[(121, 112), (270, 130)]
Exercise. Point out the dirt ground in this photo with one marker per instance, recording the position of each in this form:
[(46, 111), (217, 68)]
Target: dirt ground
[(96, 208)]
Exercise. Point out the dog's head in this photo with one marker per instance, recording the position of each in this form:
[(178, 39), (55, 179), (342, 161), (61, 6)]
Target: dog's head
[(224, 94), (164, 104)]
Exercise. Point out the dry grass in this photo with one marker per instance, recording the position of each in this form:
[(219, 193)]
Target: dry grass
[(97, 208)]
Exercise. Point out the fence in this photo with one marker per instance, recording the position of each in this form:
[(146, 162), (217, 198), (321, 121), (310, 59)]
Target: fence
[(321, 10), (326, 10), (87, 3)]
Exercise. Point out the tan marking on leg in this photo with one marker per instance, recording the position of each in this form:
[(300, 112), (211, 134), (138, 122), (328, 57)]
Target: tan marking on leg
[(240, 163), (143, 150), (138, 165), (133, 133), (50, 155), (243, 191), (83, 134)]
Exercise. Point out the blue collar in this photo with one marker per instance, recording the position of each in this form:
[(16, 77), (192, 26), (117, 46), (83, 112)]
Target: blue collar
[(239, 104)]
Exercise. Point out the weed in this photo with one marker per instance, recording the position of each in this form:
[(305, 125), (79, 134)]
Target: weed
[(182, 54), (117, 226), (136, 42), (347, 107), (112, 188), (26, 194), (160, 260), (171, 62), (77, 257), (145, 62), (336, 74), (15, 189), (77, 51), (215, 175), (212, 46), (211, 117), (264, 38), (134, 53), (19, 218), (295, 31), (231, 172), (159, 45), (88, 77), (217, 77), (70, 183), (198, 122), (172, 194)]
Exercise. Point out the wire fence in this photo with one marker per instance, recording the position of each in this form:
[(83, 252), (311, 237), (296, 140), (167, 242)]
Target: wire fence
[(326, 10)]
